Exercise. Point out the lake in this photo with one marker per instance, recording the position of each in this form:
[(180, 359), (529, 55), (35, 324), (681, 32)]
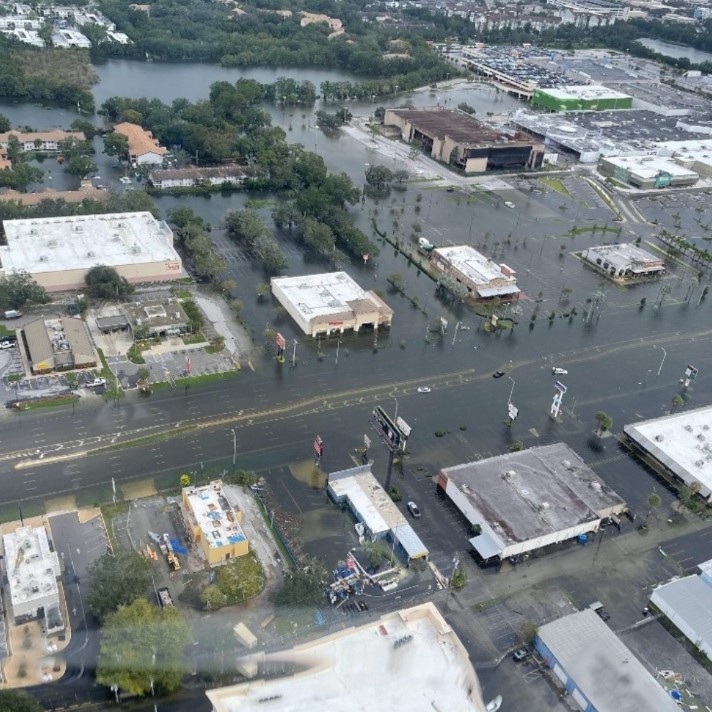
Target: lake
[(695, 56)]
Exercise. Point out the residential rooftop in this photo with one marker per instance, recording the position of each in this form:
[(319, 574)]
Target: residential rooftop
[(140, 140), (407, 660)]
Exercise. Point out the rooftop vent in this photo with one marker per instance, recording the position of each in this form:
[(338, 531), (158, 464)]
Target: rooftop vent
[(659, 438), (688, 428)]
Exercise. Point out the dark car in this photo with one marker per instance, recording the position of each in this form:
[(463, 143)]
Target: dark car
[(498, 374)]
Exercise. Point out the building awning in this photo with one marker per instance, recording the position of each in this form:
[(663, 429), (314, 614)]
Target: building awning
[(497, 291), (485, 546), (410, 541)]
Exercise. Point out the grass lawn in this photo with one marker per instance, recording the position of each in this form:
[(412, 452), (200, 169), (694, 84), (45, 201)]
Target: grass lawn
[(556, 185)]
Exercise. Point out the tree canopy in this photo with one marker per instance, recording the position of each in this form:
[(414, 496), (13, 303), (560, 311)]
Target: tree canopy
[(19, 289), (117, 580), (18, 701), (142, 649), (106, 283)]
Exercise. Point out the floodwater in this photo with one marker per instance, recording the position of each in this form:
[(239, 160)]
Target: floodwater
[(696, 56)]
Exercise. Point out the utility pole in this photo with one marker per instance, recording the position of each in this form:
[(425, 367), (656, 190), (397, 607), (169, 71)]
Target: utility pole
[(294, 354), (234, 447), (338, 344), (663, 361)]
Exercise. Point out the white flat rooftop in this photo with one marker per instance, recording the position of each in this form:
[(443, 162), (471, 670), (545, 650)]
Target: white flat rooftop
[(474, 266), (215, 516), (682, 442), (317, 295), (366, 669), (81, 242), (584, 92), (651, 166)]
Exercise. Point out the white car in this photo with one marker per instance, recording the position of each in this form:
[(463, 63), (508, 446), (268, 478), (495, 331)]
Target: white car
[(494, 705), (509, 203), (559, 371), (7, 345), (413, 509), (96, 383), (424, 389)]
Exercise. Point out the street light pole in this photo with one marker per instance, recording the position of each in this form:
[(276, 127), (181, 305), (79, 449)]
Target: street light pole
[(663, 361), (512, 391), (294, 354), (234, 447), (338, 344)]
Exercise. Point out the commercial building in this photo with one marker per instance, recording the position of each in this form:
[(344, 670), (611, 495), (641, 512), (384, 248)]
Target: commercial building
[(596, 668), (353, 670), (482, 278), (32, 569), (647, 172), (528, 500), (214, 523), (695, 155), (47, 141), (369, 503), (156, 318), (580, 98), (459, 140), (687, 604), (58, 252), (679, 446), (58, 345), (144, 149), (624, 261), (323, 304), (592, 13), (192, 176)]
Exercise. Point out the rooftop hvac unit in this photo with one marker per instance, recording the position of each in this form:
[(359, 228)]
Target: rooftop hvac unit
[(659, 438), (688, 428), (91, 253)]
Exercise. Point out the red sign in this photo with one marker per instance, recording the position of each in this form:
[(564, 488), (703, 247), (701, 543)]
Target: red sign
[(280, 341), (318, 446)]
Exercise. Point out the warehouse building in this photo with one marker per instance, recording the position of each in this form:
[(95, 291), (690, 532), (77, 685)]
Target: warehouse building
[(369, 503), (32, 570), (353, 670), (580, 98), (596, 668), (459, 140), (687, 603), (647, 172), (58, 345), (58, 252), (214, 523), (483, 278), (624, 261), (524, 501), (678, 446), (323, 304)]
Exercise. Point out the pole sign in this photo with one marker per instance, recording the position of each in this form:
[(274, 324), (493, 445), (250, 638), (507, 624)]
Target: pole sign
[(403, 427), (513, 411), (386, 428), (280, 343), (318, 446), (691, 373), (560, 387)]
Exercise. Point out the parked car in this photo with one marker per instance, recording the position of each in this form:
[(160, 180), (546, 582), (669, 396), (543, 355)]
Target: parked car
[(7, 345), (413, 509), (509, 203), (96, 383), (559, 371), (424, 389), (498, 374), (520, 655)]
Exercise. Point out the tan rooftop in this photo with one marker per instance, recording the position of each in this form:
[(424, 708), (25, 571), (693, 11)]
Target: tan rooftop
[(140, 140)]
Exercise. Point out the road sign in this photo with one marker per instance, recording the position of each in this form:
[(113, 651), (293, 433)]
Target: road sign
[(560, 387), (318, 445), (403, 427), (691, 373), (513, 411), (280, 341)]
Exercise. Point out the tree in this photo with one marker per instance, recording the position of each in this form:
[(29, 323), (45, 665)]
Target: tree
[(379, 177), (19, 289), (677, 401), (459, 577), (117, 580), (142, 649), (463, 106), (86, 127), (604, 422), (18, 701), (116, 144), (303, 587), (516, 446), (184, 480), (81, 166), (106, 283), (5, 124)]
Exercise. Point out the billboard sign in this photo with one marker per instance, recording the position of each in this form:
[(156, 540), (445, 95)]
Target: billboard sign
[(513, 411), (560, 387), (691, 373), (403, 427), (386, 428)]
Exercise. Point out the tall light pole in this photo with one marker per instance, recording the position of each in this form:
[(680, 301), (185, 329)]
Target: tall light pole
[(338, 344), (660, 368), (512, 391), (395, 416), (234, 447)]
